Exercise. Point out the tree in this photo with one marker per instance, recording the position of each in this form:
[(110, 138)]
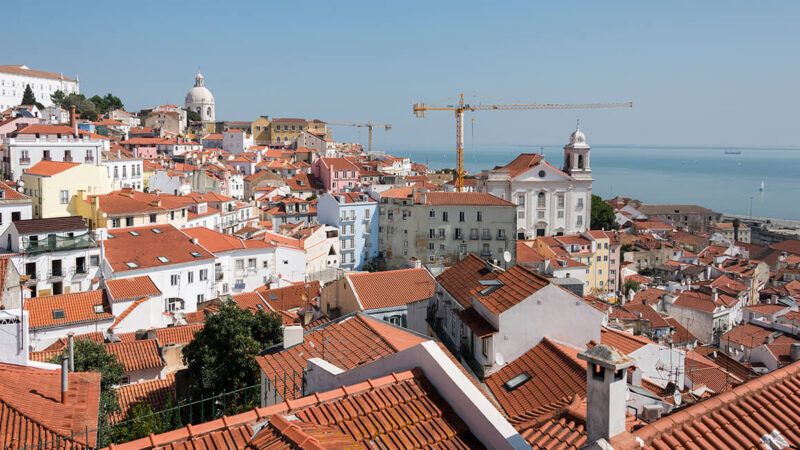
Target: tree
[(736, 224), (221, 358), (647, 272), (631, 285), (192, 116), (603, 216), (29, 99), (92, 356), (58, 97)]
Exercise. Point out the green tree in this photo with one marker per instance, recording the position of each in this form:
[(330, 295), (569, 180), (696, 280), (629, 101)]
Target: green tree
[(29, 99), (192, 116), (647, 272), (736, 224), (631, 285), (92, 356), (58, 97), (221, 358), (603, 216)]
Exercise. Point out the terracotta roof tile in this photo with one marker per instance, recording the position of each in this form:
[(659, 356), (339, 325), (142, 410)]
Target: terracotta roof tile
[(517, 284), (72, 308), (154, 393), (392, 287), (464, 198), (137, 355), (31, 411), (291, 297), (10, 193), (182, 334), (50, 168), (131, 288), (624, 342), (460, 278), (555, 373), (349, 342), (143, 250)]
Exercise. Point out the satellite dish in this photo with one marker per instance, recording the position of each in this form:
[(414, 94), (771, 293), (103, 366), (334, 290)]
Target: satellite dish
[(676, 397), (507, 256), (499, 359)]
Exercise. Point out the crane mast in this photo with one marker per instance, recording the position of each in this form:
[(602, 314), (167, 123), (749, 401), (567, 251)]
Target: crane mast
[(421, 109)]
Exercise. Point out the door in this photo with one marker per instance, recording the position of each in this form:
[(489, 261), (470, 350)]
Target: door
[(58, 288)]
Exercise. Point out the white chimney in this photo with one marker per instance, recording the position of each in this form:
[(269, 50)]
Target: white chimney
[(292, 335), (71, 350), (794, 352), (64, 378), (606, 391)]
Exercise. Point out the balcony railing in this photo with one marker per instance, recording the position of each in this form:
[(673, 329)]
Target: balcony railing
[(67, 158), (58, 243), (24, 160), (56, 273), (219, 276), (89, 159), (347, 219)]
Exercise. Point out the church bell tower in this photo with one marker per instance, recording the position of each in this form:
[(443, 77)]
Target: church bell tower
[(576, 156)]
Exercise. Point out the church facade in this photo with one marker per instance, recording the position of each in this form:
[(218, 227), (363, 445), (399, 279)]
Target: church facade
[(550, 201), (200, 100)]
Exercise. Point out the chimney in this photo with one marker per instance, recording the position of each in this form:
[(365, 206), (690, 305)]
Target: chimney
[(794, 352), (72, 122), (292, 335), (714, 294), (64, 378), (606, 390), (151, 334), (71, 350)]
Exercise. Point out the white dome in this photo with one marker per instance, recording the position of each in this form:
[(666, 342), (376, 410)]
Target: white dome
[(577, 138), (199, 95)]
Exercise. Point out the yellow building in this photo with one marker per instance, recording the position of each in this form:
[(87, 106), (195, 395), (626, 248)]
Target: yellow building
[(261, 130), (128, 208), (287, 130), (53, 184)]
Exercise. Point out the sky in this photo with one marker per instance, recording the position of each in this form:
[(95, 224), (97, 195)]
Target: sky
[(711, 73)]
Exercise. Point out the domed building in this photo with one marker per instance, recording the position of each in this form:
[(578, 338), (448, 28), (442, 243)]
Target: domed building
[(200, 100)]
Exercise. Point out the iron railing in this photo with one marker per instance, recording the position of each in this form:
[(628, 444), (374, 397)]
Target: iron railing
[(56, 243)]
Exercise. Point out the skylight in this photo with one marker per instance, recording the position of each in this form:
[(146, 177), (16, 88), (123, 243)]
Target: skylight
[(110, 236), (157, 231), (163, 259), (195, 254), (98, 309), (58, 314), (131, 264), (133, 233), (517, 381)]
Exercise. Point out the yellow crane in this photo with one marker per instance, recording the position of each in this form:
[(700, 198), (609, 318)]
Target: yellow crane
[(421, 109), (369, 125)]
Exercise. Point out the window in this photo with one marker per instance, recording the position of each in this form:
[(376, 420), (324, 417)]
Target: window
[(521, 214), (540, 214), (163, 259), (366, 214), (431, 246), (444, 216), (598, 259), (540, 200), (133, 233), (58, 314), (431, 213), (153, 219), (174, 279), (461, 216), (579, 221), (116, 172), (239, 264), (172, 215), (131, 264), (459, 234), (201, 298), (485, 346), (560, 200), (520, 199), (580, 203), (94, 260), (501, 234), (203, 274), (517, 381), (174, 304), (115, 223), (64, 196), (129, 221), (479, 217), (560, 214), (156, 231), (190, 276), (251, 264)]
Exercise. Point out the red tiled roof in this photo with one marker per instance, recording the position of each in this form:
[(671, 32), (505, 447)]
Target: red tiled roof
[(526, 254), (768, 309), (556, 373), (136, 355), (647, 312), (291, 297), (348, 343), (23, 70), (144, 249), (624, 342), (182, 334), (460, 278), (339, 164), (649, 296), (214, 241), (131, 288), (78, 307), (681, 335), (153, 392), (749, 335), (395, 411), (391, 288), (10, 193), (475, 322), (521, 164), (518, 283), (559, 425), (31, 411), (734, 419), (464, 198), (50, 168), (703, 302)]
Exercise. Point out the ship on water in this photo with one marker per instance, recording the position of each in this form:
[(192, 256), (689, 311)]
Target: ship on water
[(733, 152)]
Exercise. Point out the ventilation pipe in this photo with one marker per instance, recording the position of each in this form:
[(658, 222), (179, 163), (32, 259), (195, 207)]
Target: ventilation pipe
[(71, 350), (64, 378)]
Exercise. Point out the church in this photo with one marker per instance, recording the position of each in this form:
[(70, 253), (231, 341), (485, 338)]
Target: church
[(550, 202), (200, 100)]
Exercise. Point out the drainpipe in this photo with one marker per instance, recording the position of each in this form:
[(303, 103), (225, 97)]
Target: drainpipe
[(71, 349)]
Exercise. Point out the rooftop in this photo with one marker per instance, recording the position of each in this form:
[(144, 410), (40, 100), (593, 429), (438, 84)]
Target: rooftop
[(64, 309), (391, 288), (141, 248), (50, 168), (51, 225), (514, 285), (131, 288)]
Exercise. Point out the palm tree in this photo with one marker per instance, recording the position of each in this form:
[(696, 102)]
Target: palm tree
[(736, 224)]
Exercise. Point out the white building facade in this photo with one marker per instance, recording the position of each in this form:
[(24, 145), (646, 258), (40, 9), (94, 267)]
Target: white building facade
[(23, 149), (550, 202), (200, 100), (14, 79)]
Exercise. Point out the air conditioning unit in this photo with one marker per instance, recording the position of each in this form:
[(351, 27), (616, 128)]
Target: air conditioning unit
[(651, 413)]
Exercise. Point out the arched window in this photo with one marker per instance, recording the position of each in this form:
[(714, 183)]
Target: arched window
[(580, 161), (540, 200), (209, 111)]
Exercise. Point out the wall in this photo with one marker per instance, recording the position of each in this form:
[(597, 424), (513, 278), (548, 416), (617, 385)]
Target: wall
[(44, 337), (338, 294), (47, 195), (7, 207)]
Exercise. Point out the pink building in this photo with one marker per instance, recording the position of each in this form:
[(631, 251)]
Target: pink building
[(14, 123), (337, 174)]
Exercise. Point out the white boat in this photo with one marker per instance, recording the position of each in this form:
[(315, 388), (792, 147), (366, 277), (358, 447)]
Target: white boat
[(762, 185)]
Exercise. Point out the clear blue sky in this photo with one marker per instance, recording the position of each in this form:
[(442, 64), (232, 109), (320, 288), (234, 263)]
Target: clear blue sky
[(698, 72)]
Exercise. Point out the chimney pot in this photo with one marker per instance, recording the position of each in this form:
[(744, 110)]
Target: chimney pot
[(64, 378), (292, 335)]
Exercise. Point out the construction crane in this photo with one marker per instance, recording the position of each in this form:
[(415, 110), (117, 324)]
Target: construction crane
[(369, 125), (421, 109)]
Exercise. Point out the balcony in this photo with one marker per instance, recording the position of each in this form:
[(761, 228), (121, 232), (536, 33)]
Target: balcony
[(239, 285), (486, 236), (347, 219), (67, 158), (58, 243), (24, 160), (56, 273), (219, 276), (47, 158), (485, 253), (89, 159)]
